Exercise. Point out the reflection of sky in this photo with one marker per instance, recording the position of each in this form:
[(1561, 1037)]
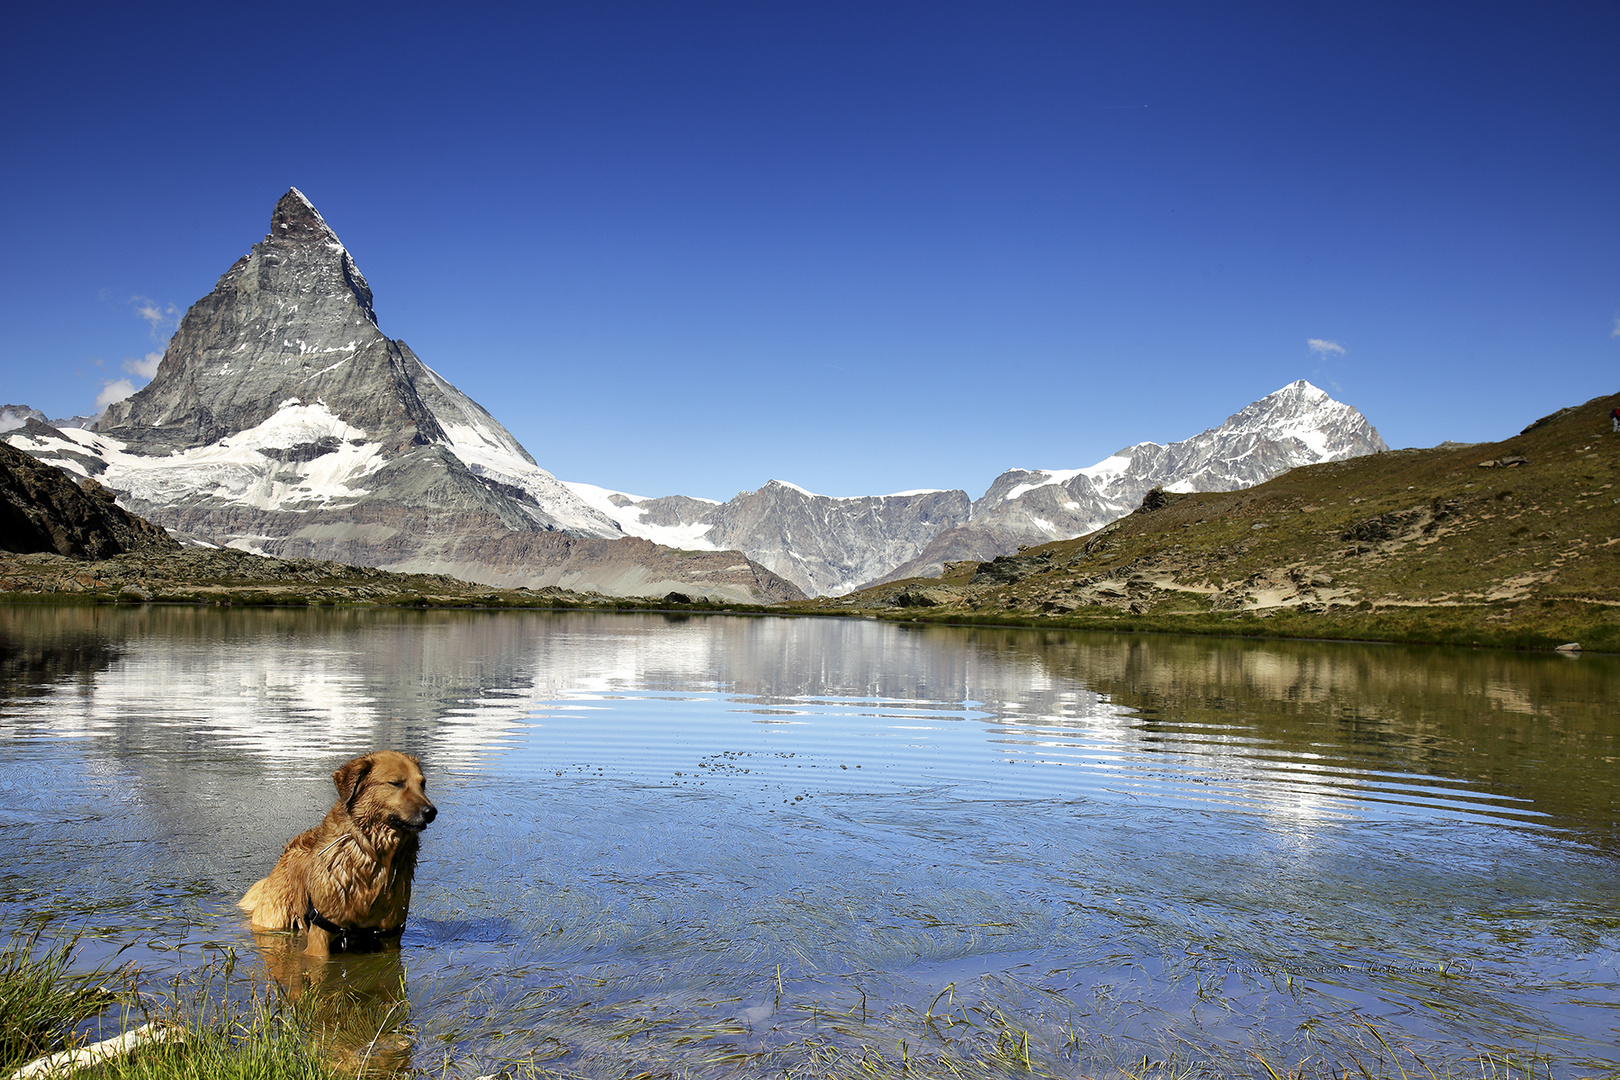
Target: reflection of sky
[(909, 710)]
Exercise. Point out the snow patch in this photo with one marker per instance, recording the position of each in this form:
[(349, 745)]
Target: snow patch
[(489, 450), (233, 469), (1048, 478), (1112, 465), (691, 537), (796, 487)]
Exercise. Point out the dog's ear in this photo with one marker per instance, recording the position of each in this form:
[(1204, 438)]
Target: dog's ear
[(349, 778)]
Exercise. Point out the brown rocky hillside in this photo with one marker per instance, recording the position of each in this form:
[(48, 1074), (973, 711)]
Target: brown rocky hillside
[(1511, 543)]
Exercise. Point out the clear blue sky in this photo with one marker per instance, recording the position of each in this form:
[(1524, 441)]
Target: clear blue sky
[(865, 247)]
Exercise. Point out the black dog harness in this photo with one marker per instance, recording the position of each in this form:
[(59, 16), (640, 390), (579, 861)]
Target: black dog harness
[(353, 938)]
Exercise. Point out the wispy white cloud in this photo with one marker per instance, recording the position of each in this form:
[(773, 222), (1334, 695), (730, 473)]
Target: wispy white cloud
[(1616, 327), (1324, 348), (113, 390), (146, 366), (162, 318), (13, 417)]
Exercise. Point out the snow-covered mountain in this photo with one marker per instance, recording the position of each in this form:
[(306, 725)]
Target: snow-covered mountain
[(831, 546), (1297, 425), (281, 420), (823, 544)]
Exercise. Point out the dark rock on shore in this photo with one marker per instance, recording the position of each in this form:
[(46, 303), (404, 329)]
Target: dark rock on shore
[(42, 508)]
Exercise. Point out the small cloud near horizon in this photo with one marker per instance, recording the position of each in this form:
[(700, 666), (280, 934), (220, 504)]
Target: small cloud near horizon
[(113, 390), (1324, 348), (146, 367), (162, 320), (1616, 327)]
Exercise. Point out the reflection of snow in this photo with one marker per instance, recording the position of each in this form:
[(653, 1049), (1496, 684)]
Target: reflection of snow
[(510, 690)]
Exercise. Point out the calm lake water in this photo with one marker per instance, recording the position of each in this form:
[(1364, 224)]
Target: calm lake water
[(750, 846)]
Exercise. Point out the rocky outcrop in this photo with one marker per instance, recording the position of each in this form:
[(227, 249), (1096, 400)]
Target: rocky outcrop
[(43, 508), (830, 545), (282, 421)]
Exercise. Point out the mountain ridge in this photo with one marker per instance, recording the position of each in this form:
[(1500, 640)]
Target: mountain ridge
[(831, 545), (282, 420)]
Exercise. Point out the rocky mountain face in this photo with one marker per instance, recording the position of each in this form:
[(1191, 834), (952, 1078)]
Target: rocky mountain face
[(1503, 544), (831, 546), (283, 421), (825, 545), (43, 508), (13, 417)]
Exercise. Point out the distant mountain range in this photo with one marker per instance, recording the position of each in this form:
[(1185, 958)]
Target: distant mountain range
[(283, 421), (831, 546)]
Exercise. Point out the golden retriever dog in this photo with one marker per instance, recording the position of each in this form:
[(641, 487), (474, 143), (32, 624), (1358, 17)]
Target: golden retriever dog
[(347, 882)]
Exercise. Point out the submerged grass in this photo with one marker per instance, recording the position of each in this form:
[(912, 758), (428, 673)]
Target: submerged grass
[(325, 1023), (573, 1031)]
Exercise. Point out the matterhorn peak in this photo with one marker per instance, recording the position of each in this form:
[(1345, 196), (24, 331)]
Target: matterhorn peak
[(296, 227), (295, 218)]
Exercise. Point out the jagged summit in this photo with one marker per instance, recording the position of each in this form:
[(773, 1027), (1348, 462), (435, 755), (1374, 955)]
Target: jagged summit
[(295, 218), (292, 320)]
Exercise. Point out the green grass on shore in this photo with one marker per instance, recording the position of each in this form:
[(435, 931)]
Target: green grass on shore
[(42, 1000), (1596, 628)]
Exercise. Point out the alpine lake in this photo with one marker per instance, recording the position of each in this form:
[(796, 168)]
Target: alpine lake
[(717, 846)]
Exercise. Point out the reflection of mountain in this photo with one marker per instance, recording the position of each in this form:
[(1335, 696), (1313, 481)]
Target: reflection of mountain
[(43, 650), (995, 827), (1532, 732), (301, 689)]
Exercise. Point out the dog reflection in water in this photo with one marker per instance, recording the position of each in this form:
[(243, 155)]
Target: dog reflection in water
[(342, 890), (353, 1005)]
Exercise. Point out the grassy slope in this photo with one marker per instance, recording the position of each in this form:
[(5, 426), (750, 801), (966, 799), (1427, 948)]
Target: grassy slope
[(1414, 545)]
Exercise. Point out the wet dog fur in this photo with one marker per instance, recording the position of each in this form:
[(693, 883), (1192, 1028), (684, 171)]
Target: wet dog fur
[(355, 867)]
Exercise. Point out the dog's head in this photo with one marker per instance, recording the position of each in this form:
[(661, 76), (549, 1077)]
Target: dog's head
[(386, 788)]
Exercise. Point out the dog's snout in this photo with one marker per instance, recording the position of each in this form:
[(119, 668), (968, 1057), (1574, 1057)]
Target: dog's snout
[(429, 812)]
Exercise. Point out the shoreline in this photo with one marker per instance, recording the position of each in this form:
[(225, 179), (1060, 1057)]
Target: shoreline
[(1275, 627)]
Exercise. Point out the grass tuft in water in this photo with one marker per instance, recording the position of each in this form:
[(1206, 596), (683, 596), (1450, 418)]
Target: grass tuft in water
[(42, 1001)]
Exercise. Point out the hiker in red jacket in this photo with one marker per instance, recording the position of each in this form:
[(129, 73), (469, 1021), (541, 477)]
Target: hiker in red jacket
[(1614, 414)]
